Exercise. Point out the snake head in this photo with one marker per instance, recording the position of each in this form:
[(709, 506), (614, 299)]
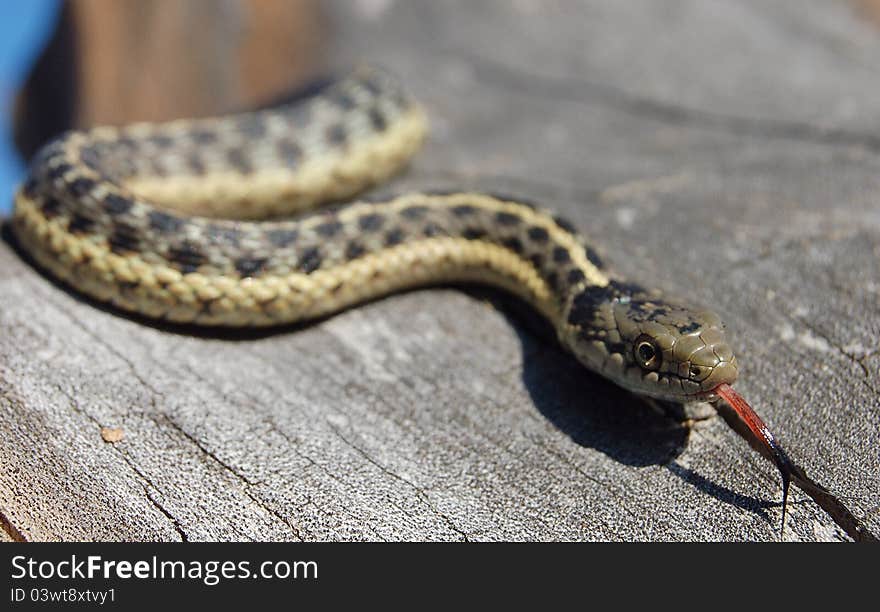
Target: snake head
[(650, 345)]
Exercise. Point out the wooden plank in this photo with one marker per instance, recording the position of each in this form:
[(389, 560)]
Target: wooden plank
[(727, 153)]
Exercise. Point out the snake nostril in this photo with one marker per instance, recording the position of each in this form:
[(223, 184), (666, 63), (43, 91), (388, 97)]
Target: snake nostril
[(696, 371)]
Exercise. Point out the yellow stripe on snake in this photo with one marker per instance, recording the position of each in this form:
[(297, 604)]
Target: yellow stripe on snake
[(182, 222)]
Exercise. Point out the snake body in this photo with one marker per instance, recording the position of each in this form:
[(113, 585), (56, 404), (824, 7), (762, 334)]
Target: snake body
[(190, 221)]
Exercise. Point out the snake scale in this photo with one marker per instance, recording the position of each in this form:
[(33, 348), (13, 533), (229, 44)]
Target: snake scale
[(216, 222)]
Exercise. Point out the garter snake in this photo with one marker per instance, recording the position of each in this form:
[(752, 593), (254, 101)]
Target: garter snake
[(217, 222)]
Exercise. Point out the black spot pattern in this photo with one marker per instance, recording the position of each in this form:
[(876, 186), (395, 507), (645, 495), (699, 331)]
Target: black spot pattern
[(463, 210), (126, 142), (342, 99), (687, 329), (474, 233), (116, 204), (354, 250), (309, 260), (249, 266), (575, 276), (289, 151), (371, 222), (537, 261), (538, 234), (377, 119), (282, 237), (224, 235), (203, 136), (187, 256), (560, 255), (239, 160), (252, 126), (162, 141), (195, 164), (328, 228), (641, 310), (514, 244), (394, 237), (337, 135), (507, 219), (432, 229), (50, 207), (165, 223), (565, 224), (91, 157), (29, 188), (414, 212), (587, 302), (124, 239), (58, 171), (81, 186), (594, 258), (80, 224)]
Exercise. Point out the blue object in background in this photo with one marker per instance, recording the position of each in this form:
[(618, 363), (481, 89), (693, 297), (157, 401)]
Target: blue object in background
[(24, 29)]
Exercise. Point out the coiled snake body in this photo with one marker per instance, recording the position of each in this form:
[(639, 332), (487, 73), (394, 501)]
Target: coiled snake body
[(180, 222)]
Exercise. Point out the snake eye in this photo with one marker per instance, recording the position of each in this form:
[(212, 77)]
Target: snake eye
[(646, 353)]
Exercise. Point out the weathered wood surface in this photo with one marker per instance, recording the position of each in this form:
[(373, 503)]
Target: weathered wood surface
[(724, 151)]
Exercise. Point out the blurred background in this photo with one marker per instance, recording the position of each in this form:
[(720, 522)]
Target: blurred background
[(24, 29)]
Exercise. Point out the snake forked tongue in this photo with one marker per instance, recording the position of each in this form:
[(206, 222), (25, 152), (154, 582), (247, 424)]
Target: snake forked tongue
[(764, 441), (762, 433)]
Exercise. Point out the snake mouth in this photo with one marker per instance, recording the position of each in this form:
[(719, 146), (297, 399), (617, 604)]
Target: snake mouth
[(710, 396)]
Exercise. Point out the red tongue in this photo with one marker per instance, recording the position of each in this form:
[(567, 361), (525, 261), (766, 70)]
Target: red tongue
[(745, 412), (762, 433)]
